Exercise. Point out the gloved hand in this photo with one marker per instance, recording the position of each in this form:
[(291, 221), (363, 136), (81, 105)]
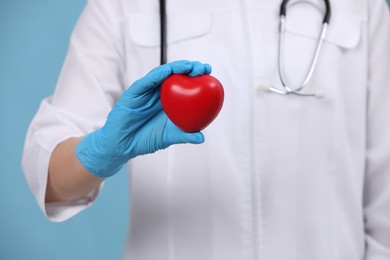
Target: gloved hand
[(137, 124)]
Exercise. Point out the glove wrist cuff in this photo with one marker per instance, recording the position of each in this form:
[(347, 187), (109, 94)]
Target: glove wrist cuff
[(95, 159)]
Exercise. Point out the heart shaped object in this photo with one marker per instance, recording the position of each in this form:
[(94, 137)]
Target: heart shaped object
[(192, 103)]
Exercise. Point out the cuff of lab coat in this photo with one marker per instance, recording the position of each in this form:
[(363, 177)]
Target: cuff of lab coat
[(36, 167), (61, 211)]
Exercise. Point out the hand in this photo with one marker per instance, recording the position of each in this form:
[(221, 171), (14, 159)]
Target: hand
[(137, 124)]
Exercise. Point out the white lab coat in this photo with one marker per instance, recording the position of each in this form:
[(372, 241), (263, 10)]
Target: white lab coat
[(279, 177)]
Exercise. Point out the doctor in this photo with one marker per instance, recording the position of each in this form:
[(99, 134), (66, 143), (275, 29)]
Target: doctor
[(274, 177)]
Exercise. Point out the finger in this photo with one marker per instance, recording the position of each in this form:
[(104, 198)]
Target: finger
[(181, 66), (208, 68), (149, 82), (185, 67), (156, 76), (199, 69), (195, 68), (141, 102)]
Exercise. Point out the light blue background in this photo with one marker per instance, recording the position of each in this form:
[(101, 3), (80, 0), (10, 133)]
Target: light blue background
[(34, 36)]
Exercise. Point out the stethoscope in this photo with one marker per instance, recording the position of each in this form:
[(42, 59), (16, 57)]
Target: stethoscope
[(287, 89)]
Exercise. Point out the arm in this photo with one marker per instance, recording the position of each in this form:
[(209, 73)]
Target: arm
[(377, 181), (68, 179), (135, 126), (91, 82)]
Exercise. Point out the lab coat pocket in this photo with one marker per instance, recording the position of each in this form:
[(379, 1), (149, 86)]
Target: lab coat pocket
[(344, 28), (145, 27)]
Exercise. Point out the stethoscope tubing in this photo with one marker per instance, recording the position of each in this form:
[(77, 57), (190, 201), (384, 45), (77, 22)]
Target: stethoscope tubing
[(163, 33), (283, 12), (286, 88), (328, 10)]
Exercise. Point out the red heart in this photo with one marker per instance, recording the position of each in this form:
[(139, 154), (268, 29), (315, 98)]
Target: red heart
[(191, 103)]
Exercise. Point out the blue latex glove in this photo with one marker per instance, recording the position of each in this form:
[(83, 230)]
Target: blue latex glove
[(137, 124)]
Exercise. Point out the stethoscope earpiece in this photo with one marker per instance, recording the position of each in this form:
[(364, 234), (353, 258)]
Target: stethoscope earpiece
[(265, 87), (320, 94)]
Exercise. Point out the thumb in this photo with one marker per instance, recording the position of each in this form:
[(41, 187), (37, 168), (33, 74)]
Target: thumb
[(175, 135)]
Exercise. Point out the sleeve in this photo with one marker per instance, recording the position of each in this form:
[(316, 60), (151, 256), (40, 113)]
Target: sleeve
[(377, 179), (91, 80)]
